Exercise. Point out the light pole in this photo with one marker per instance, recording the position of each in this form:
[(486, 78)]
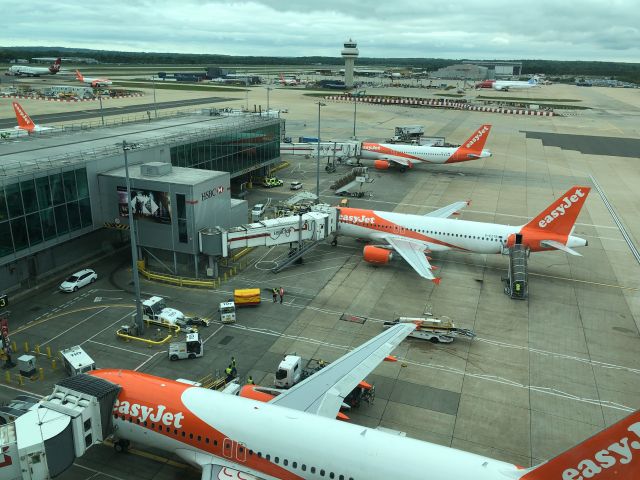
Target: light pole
[(355, 110), (320, 104), (101, 112), (134, 247), (155, 106), (247, 100), (268, 90)]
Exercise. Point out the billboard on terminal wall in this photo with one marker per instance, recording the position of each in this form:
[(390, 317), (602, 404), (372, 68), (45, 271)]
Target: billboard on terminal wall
[(145, 205)]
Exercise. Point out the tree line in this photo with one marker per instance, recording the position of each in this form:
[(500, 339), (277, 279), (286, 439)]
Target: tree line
[(618, 70)]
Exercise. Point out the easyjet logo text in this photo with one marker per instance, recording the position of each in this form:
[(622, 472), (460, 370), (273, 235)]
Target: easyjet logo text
[(374, 148), (357, 219), (618, 452), (479, 134), (22, 114), (144, 413), (560, 210)]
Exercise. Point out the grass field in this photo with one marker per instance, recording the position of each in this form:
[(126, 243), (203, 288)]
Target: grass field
[(528, 99)]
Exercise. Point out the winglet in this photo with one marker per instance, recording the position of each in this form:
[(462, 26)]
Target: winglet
[(390, 358), (437, 280)]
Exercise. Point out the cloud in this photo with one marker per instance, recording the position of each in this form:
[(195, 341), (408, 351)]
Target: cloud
[(587, 30)]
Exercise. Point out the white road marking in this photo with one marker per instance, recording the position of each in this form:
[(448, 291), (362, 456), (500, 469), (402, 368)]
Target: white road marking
[(75, 326), (209, 337), (146, 361), (109, 326), (118, 348)]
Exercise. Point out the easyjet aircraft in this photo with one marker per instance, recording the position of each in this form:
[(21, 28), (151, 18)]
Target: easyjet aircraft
[(412, 236), (295, 435), (405, 156), (25, 124), (94, 82)]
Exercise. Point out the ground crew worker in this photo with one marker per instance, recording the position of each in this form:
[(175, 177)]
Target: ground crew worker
[(275, 294), (281, 294), (233, 362), (518, 288), (250, 380), (229, 372)]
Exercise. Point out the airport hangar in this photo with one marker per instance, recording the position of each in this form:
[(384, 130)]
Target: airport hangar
[(59, 192)]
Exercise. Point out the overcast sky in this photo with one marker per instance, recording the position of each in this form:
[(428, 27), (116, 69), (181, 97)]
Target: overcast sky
[(545, 29)]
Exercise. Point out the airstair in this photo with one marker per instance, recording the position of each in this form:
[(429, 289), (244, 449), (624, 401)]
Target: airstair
[(354, 179), (517, 279)]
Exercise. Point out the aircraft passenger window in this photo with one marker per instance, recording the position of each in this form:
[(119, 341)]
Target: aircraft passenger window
[(294, 464), (341, 477), (191, 436), (304, 467), (285, 462), (313, 469), (331, 475), (241, 449), (159, 427), (199, 438), (184, 434), (268, 457), (322, 473), (276, 459), (215, 442), (206, 440), (250, 452), (153, 426)]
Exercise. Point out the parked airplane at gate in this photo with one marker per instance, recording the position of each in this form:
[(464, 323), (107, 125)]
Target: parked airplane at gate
[(295, 435), (30, 71), (405, 156), (288, 82), (412, 236), (506, 85), (26, 126), (94, 82)]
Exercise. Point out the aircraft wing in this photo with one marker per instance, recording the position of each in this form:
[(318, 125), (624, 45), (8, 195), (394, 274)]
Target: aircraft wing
[(413, 253), (447, 211), (215, 468), (323, 392)]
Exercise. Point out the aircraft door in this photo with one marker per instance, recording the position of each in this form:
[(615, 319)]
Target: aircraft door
[(227, 448), (241, 452)]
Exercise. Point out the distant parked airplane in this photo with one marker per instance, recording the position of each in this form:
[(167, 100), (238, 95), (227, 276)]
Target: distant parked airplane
[(94, 82), (506, 85), (405, 156), (29, 71)]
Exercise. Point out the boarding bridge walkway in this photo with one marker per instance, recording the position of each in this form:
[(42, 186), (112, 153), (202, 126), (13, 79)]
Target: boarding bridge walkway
[(46, 439), (305, 231), (517, 279)]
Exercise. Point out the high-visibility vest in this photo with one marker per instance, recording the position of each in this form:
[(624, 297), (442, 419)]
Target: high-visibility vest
[(228, 370)]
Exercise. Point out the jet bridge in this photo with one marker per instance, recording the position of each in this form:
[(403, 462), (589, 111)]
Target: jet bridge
[(301, 232), (46, 439)]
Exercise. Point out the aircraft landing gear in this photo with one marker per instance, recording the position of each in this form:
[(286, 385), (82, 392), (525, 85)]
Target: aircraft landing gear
[(334, 242), (121, 446), (403, 169)]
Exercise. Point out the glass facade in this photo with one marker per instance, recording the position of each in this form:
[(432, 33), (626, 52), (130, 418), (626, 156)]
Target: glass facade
[(41, 209), (233, 152)]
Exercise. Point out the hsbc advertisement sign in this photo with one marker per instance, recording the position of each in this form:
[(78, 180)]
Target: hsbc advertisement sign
[(212, 193)]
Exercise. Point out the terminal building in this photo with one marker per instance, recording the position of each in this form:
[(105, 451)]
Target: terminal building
[(461, 72), (498, 69), (63, 197)]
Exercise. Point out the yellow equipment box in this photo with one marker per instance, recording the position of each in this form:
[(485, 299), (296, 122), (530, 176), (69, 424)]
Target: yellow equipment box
[(246, 297)]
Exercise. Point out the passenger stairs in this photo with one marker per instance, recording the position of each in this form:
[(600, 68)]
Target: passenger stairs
[(517, 279)]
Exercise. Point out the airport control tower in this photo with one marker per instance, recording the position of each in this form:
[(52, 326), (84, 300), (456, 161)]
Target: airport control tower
[(349, 53)]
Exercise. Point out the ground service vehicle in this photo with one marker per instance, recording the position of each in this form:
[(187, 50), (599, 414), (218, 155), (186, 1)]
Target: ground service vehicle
[(191, 347), (295, 186), (271, 182), (227, 312), (78, 280), (434, 329), (246, 297), (257, 211)]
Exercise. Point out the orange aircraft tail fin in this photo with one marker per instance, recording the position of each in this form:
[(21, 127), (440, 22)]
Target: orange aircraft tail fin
[(561, 215), (612, 454), (475, 143), (55, 66), (24, 120), (79, 76)]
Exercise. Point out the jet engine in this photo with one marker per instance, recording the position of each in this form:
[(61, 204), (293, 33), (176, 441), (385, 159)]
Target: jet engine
[(381, 164), (377, 255)]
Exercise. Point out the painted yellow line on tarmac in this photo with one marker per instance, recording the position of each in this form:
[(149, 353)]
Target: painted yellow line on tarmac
[(62, 314)]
